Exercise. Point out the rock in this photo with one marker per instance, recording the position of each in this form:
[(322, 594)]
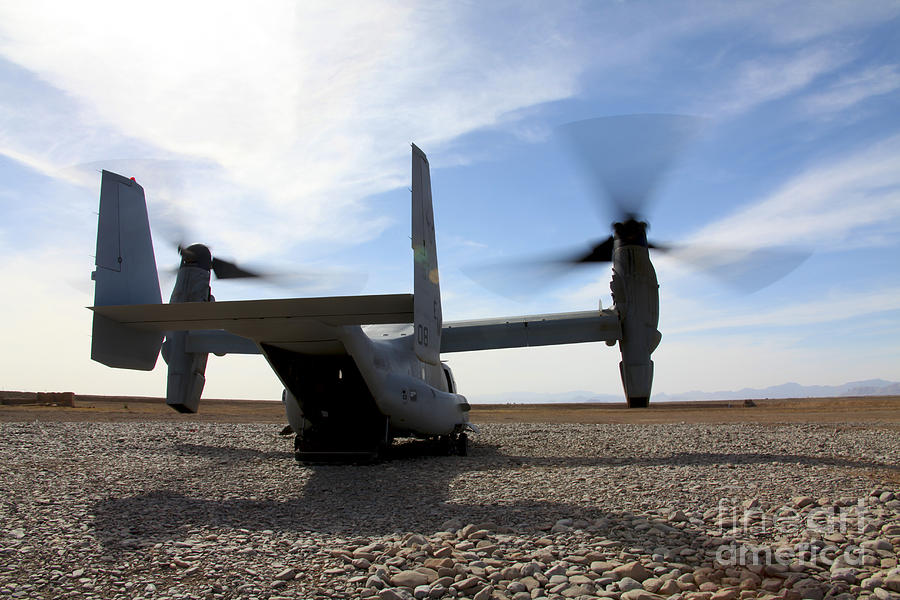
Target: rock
[(771, 584), (652, 584), (529, 582), (430, 574), (452, 525), (395, 594), (627, 583), (634, 569), (640, 595), (484, 594), (669, 588), (848, 575), (466, 530), (877, 544), (575, 591), (467, 583), (802, 501), (413, 540), (892, 583), (883, 594), (809, 589), (601, 567), (871, 583), (555, 570), (286, 575), (409, 579)]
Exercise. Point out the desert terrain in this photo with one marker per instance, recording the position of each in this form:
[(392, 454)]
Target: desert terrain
[(20, 406), (122, 498)]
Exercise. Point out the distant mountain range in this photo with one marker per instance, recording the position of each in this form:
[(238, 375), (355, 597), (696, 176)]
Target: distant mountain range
[(869, 387)]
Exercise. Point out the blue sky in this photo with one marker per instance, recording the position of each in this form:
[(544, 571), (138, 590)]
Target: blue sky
[(282, 137)]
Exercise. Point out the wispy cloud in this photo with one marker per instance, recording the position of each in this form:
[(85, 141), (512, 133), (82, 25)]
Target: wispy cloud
[(832, 200), (773, 77), (797, 314), (853, 89), (788, 22), (301, 111)]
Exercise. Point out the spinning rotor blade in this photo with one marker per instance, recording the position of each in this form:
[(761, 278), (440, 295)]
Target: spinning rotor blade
[(307, 281), (602, 252), (745, 270), (174, 229), (518, 278), (228, 270), (626, 157), (198, 255)]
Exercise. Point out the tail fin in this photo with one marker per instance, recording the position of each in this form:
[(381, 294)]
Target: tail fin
[(426, 281), (126, 274)]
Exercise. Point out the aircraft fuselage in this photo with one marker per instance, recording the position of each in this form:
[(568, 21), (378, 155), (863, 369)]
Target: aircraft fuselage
[(376, 390)]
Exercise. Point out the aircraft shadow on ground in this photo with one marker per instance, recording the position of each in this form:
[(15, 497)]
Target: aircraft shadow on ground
[(414, 450), (230, 453), (406, 493), (706, 459)]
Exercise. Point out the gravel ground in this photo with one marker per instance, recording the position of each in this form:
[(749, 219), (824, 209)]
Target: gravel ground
[(162, 510)]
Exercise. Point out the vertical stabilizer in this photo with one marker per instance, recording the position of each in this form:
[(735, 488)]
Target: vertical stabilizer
[(125, 274), (426, 281)]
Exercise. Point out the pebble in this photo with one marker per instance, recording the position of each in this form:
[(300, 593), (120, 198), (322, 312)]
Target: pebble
[(635, 512)]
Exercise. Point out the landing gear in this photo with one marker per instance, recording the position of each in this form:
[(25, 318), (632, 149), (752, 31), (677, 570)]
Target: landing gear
[(323, 444), (462, 444), (454, 443)]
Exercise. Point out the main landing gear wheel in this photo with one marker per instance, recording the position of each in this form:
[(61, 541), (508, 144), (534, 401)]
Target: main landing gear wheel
[(454, 443), (443, 446), (317, 450), (462, 444)]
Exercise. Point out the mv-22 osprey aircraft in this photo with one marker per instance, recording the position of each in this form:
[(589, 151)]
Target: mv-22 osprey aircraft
[(358, 371)]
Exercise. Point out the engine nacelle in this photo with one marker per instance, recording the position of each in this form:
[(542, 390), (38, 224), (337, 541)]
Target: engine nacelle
[(187, 370), (635, 292)]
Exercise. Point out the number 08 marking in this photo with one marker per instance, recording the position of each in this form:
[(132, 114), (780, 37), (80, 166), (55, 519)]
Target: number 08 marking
[(422, 335)]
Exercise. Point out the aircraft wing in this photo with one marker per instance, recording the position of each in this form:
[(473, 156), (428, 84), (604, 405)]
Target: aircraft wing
[(217, 341), (533, 330), (300, 324)]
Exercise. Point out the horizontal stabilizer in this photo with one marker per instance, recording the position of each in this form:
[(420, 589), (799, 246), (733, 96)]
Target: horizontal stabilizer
[(534, 330)]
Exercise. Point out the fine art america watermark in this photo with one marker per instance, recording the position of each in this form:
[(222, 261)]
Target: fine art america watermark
[(823, 528)]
